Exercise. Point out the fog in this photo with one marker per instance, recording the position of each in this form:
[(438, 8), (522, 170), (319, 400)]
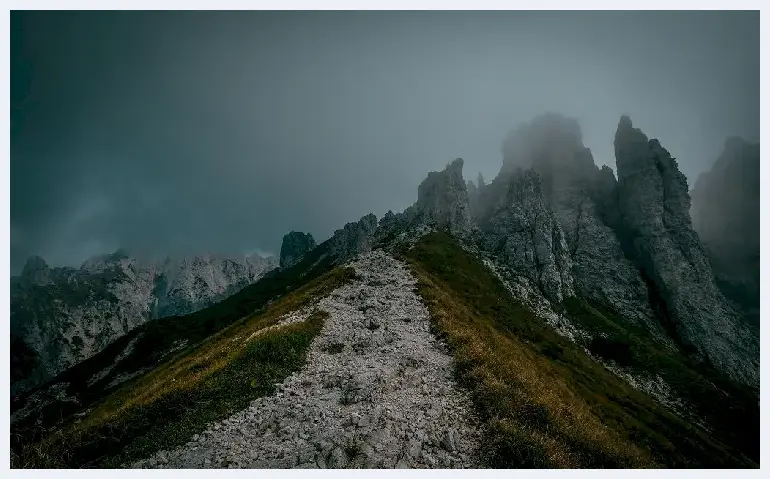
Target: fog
[(179, 133)]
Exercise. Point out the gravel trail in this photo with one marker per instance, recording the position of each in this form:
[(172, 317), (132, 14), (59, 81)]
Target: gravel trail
[(376, 392)]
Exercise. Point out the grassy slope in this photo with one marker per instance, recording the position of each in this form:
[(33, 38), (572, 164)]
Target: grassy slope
[(730, 410), (545, 401), (219, 371)]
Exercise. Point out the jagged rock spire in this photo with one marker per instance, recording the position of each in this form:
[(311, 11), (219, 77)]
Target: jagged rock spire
[(581, 197), (294, 246), (654, 204), (354, 238), (36, 270), (442, 198)]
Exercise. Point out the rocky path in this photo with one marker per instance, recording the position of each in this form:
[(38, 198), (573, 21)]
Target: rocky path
[(376, 392)]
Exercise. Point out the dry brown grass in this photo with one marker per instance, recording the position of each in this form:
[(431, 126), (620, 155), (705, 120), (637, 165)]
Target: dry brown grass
[(512, 377)]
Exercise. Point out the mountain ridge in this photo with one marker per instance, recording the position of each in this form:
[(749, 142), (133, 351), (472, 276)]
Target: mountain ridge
[(62, 315), (565, 297)]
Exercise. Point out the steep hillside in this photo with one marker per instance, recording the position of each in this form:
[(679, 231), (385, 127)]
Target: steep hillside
[(611, 398), (61, 316), (142, 382)]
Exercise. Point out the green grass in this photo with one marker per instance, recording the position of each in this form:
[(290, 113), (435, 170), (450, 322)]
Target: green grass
[(722, 403), (173, 418), (544, 401), (165, 406)]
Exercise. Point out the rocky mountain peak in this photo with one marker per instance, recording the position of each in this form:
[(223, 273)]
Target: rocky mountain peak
[(654, 204), (442, 199), (519, 228), (654, 188), (71, 314), (118, 259), (36, 270), (354, 238), (632, 149), (294, 246), (580, 197)]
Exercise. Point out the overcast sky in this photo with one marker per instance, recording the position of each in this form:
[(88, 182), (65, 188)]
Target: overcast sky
[(179, 133)]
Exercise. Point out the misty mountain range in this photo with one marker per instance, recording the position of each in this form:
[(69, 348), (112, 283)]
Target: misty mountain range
[(61, 316), (612, 263), (230, 129)]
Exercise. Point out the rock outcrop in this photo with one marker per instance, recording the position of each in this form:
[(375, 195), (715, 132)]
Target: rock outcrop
[(294, 246), (577, 192), (61, 316), (725, 214), (442, 200), (354, 238), (519, 229), (655, 225), (190, 284), (36, 271)]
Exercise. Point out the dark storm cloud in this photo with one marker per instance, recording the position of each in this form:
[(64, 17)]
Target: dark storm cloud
[(192, 132)]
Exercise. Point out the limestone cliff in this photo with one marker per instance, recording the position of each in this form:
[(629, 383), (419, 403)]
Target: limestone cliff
[(442, 199), (294, 246), (61, 316), (577, 191), (519, 229), (654, 206)]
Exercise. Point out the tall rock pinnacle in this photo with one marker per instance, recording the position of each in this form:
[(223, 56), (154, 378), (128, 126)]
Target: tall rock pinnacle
[(576, 190), (294, 246), (654, 205), (442, 198), (524, 234)]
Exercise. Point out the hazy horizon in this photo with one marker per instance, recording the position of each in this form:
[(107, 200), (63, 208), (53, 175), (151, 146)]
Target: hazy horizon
[(174, 133)]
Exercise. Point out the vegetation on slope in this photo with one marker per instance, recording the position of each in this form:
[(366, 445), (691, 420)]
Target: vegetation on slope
[(544, 401), (222, 367), (730, 410)]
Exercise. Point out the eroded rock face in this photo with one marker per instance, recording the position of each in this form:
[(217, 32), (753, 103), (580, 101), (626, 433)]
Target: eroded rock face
[(725, 214), (294, 246), (376, 391), (519, 229), (190, 284), (36, 271), (552, 146), (442, 199), (61, 316), (654, 206), (354, 238)]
